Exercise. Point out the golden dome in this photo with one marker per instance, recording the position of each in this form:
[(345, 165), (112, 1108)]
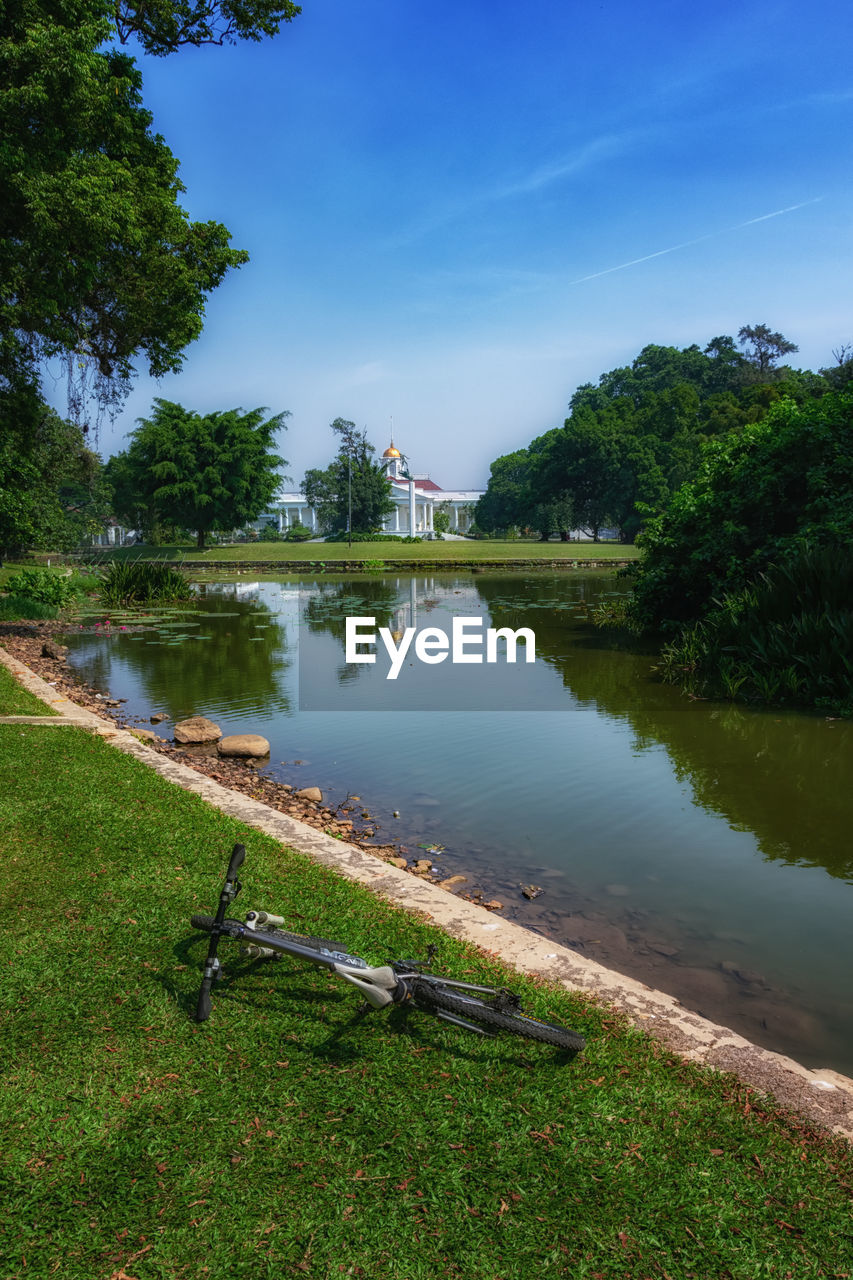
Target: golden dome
[(391, 452)]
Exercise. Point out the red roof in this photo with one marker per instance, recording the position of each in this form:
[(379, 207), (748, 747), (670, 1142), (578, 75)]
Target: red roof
[(419, 484)]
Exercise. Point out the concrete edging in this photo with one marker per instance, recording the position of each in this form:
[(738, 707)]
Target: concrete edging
[(824, 1096)]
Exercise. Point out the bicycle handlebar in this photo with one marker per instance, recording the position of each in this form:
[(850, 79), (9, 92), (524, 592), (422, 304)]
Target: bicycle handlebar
[(238, 855)]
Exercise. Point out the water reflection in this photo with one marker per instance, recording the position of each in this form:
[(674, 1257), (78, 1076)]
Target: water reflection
[(782, 776), (231, 650)]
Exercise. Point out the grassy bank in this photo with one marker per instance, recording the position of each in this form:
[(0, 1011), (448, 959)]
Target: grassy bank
[(15, 700), (280, 1139), (467, 552)]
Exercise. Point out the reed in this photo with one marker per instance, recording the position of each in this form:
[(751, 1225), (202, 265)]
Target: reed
[(142, 582)]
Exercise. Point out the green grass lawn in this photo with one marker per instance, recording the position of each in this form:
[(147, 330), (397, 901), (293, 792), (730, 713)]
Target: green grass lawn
[(280, 1139), (316, 552), (15, 700)]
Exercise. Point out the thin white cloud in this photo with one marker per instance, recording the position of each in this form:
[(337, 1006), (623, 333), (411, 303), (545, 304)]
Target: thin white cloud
[(686, 244), (535, 180), (566, 167)]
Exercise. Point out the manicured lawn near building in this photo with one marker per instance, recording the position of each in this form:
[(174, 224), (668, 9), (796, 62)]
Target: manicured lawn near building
[(467, 552), (280, 1138)]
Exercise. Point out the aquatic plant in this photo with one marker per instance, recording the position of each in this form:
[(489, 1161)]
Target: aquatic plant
[(143, 582)]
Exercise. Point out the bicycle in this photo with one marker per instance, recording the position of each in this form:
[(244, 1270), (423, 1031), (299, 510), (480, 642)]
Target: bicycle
[(478, 1009)]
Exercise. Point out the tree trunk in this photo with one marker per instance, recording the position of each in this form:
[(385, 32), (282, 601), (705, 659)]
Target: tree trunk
[(199, 541)]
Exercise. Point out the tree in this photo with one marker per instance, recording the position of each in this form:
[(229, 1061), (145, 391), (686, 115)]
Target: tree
[(633, 437), (441, 517), (52, 488), (99, 263), (162, 26), (506, 502), (202, 472), (766, 347), (352, 493), (840, 375)]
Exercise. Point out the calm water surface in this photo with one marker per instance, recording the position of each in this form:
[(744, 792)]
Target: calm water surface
[(703, 848)]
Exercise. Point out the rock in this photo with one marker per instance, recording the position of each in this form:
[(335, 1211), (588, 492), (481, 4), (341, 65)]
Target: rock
[(396, 813), (531, 890), (494, 905), (144, 735), (197, 729), (310, 793), (398, 862), (159, 717), (243, 744), (664, 949), (422, 867), (451, 881), (50, 649)]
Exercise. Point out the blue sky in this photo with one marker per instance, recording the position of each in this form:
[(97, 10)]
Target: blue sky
[(440, 202)]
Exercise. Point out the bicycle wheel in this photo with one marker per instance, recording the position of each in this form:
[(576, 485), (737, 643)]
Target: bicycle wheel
[(206, 924), (434, 999)]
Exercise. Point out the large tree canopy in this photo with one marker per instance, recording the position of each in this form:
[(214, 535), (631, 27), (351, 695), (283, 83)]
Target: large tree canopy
[(97, 258), (631, 439), (202, 472), (98, 261)]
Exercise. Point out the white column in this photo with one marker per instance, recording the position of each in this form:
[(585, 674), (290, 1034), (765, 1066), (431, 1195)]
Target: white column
[(412, 508), (396, 517), (455, 516)]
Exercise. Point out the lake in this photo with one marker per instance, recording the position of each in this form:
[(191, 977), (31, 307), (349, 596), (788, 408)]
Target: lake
[(701, 847)]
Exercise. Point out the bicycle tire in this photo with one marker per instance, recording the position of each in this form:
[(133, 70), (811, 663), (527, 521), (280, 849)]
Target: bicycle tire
[(206, 923), (434, 999)]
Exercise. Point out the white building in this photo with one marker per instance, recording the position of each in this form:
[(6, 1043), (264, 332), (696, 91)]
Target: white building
[(416, 499)]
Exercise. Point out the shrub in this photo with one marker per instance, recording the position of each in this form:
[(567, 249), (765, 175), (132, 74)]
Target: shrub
[(358, 535), (298, 533), (788, 637), (132, 582), (760, 494), (43, 586)]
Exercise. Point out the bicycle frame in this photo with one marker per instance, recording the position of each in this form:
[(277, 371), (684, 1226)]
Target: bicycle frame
[(379, 985)]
